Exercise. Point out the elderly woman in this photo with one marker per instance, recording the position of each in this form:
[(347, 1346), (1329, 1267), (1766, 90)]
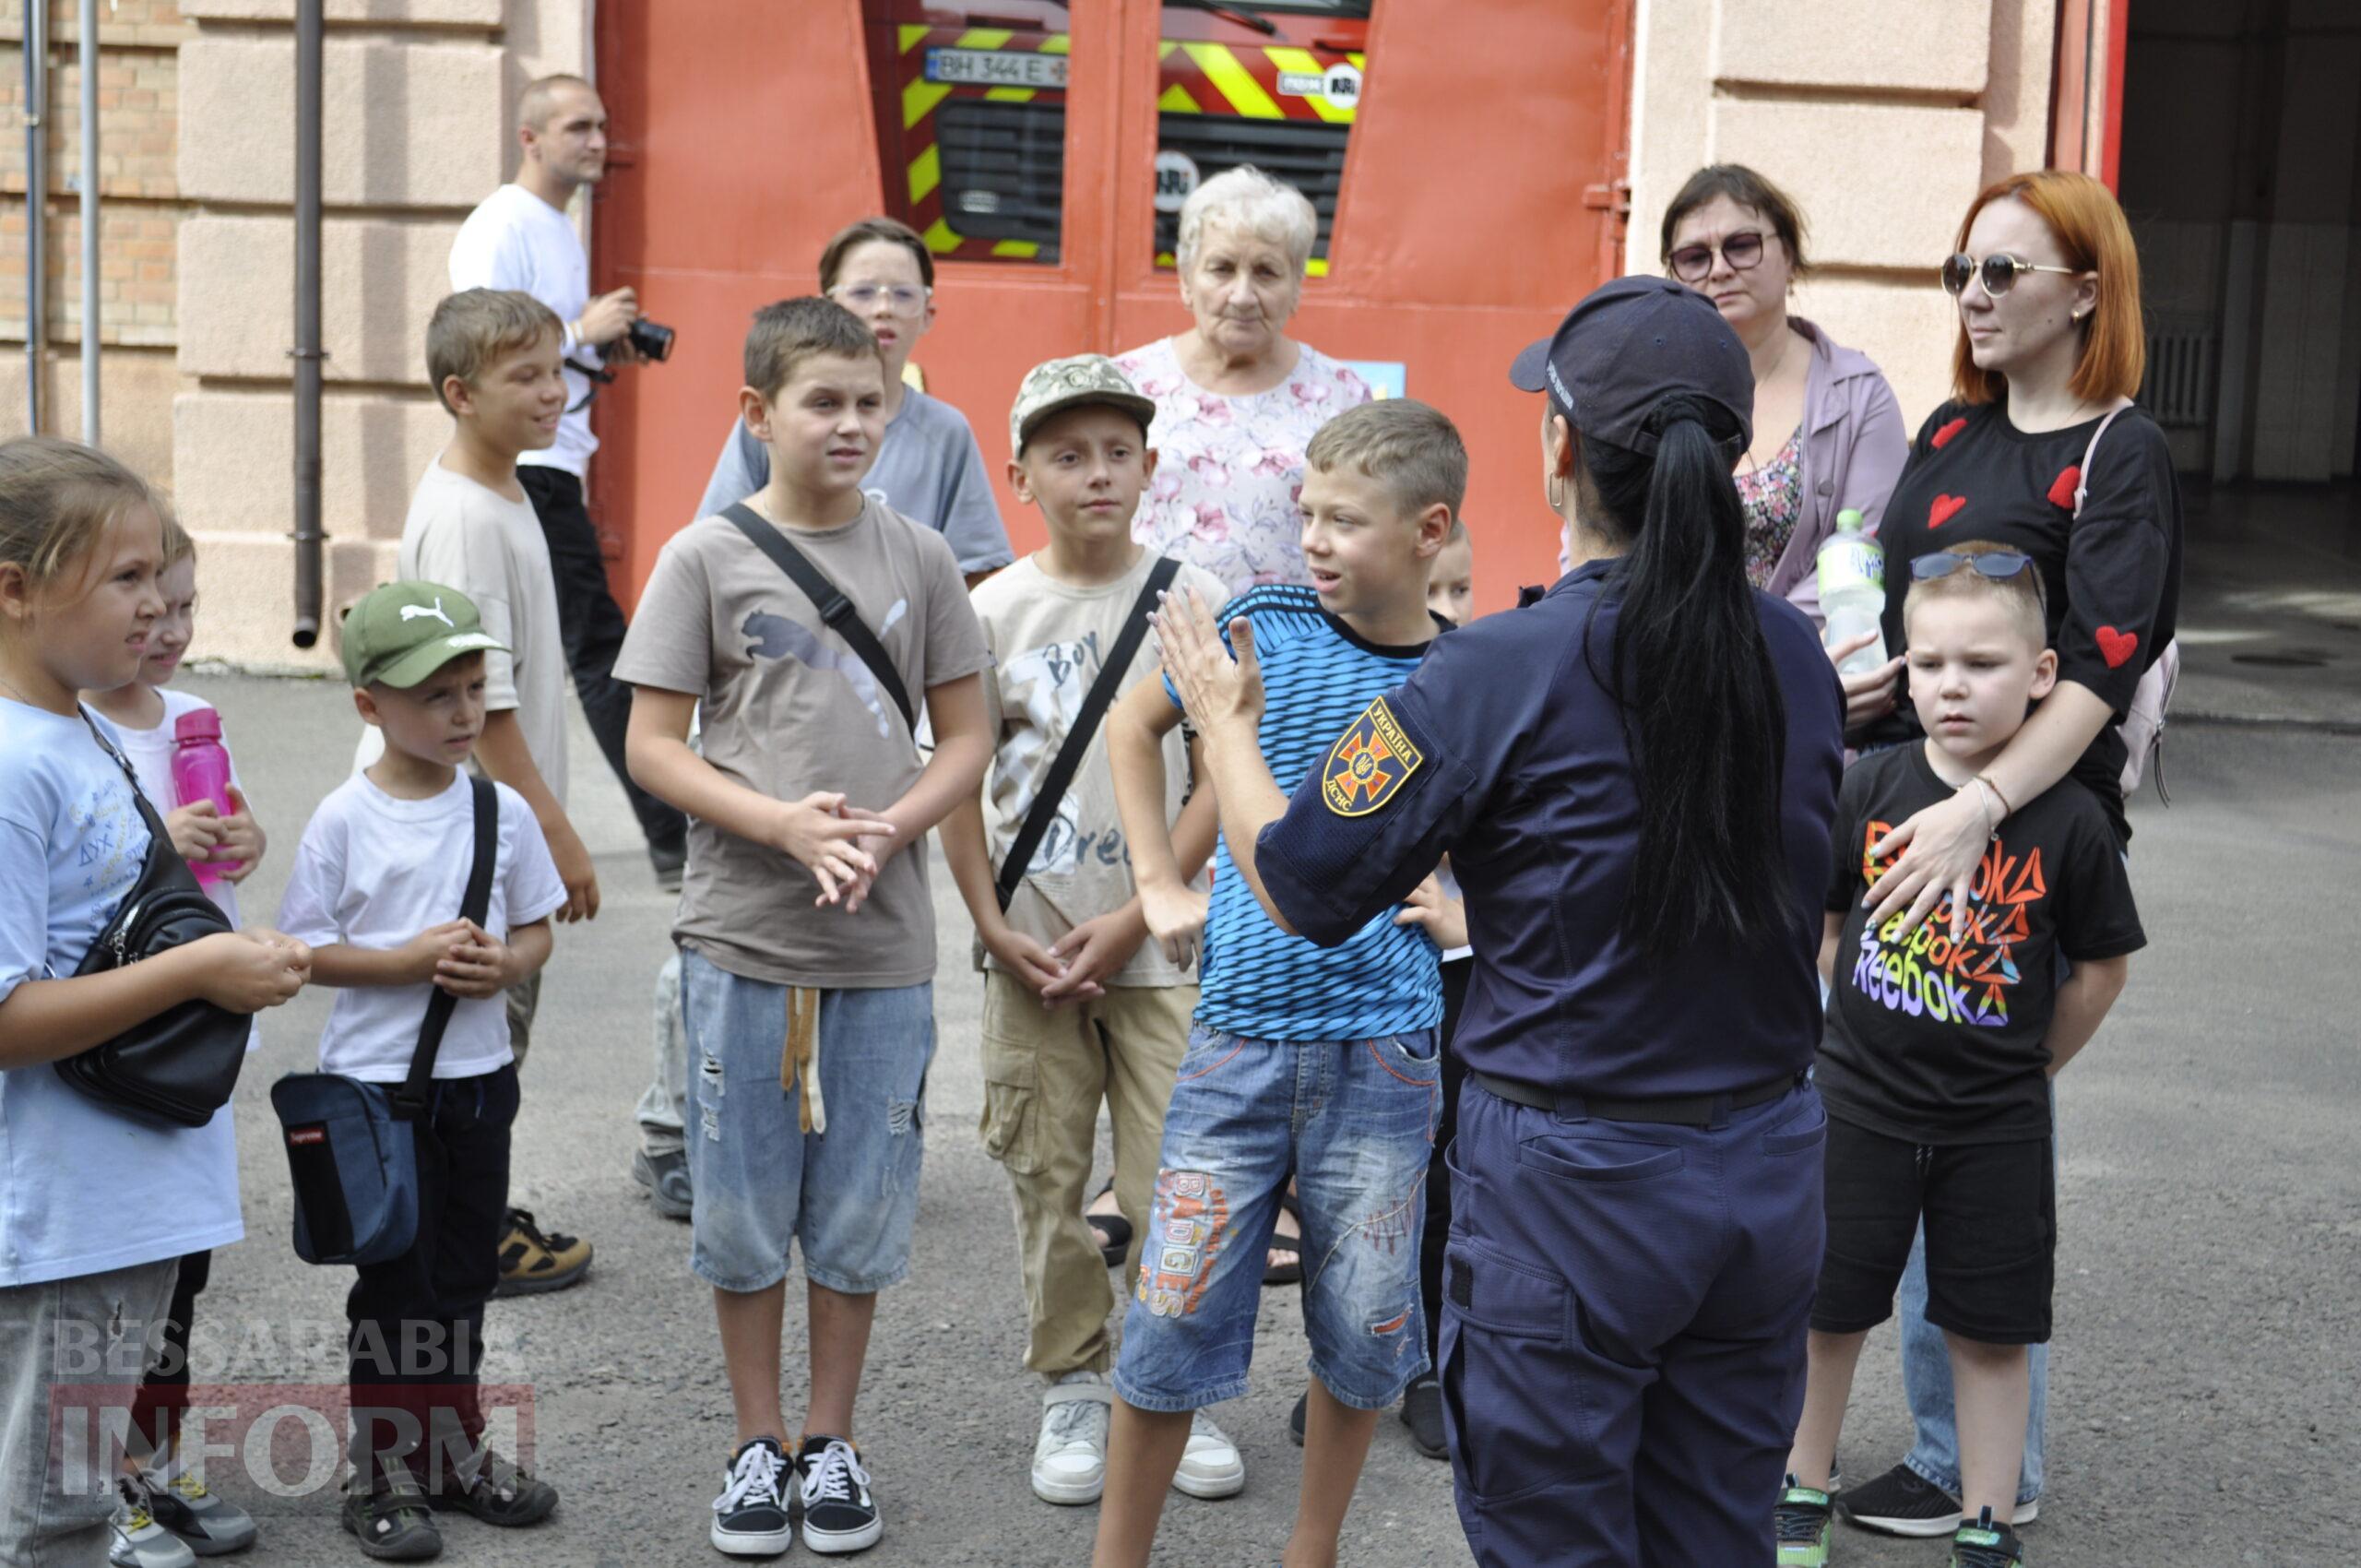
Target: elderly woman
[(1828, 434), (1237, 399)]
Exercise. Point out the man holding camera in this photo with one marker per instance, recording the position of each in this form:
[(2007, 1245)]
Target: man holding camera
[(520, 238)]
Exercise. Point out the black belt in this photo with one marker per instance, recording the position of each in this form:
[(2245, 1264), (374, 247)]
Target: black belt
[(1685, 1111)]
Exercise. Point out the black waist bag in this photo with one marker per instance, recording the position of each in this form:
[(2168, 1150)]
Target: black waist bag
[(179, 1067)]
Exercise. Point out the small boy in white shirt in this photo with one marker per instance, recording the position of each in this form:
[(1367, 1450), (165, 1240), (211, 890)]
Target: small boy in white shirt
[(378, 883)]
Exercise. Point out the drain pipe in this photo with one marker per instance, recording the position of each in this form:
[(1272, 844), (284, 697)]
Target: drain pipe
[(36, 102), (310, 543), (87, 23)]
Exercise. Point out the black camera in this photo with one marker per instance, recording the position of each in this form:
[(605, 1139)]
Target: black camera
[(650, 341)]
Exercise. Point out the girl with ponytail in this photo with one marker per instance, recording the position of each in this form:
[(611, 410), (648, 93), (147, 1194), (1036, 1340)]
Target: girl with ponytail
[(1634, 776)]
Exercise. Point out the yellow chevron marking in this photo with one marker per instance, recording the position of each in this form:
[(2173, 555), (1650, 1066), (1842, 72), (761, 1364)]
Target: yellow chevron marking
[(985, 37), (1305, 62), (1022, 249), (1360, 62), (1316, 268), (1234, 81), (1176, 100), (1009, 95), (940, 238), (912, 34), (918, 99), (926, 172), (1058, 43), (1164, 49)]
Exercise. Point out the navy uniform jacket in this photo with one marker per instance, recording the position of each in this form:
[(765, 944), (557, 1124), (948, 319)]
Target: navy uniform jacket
[(1504, 751)]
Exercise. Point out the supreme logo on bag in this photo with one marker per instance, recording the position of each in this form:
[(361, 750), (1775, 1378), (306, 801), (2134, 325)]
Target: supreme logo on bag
[(300, 1137)]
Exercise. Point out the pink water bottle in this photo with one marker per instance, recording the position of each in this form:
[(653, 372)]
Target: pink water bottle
[(201, 772)]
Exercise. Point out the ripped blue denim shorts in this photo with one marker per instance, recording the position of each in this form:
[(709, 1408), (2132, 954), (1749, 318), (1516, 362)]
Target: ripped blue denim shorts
[(1354, 1122), (847, 1195)]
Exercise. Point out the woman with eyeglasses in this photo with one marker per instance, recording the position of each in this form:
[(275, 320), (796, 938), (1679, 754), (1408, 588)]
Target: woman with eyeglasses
[(1828, 434), (2050, 348), (927, 467)]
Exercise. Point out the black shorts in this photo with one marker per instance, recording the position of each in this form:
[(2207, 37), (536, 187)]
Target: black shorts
[(1991, 1217)]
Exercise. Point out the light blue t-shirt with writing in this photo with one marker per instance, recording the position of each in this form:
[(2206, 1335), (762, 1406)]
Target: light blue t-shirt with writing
[(929, 469), (84, 1190)]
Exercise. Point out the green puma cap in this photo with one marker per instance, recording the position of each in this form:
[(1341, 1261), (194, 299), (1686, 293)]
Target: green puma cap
[(401, 632)]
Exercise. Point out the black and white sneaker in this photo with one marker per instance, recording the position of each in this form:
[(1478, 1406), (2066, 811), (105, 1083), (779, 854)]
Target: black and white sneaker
[(1903, 1503), (750, 1517), (838, 1513)]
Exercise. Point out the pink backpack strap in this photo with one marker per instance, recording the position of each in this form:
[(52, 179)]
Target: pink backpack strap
[(2083, 475)]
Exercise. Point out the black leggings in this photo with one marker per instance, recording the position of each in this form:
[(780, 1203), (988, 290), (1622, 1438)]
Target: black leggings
[(1437, 1234), (163, 1392)]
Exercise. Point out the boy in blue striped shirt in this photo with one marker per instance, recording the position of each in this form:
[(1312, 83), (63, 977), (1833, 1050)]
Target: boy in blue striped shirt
[(1310, 1063)]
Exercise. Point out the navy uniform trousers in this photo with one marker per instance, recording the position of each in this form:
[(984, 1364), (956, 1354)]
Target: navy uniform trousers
[(1624, 1312)]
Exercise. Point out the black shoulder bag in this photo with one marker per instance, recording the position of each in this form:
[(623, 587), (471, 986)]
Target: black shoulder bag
[(350, 1149), (179, 1067), (837, 610), (1095, 704)]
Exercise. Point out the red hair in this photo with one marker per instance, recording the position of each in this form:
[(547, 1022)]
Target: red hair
[(2089, 227)]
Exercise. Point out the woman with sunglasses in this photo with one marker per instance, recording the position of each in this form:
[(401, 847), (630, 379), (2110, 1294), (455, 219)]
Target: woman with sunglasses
[(2051, 345), (1828, 434)]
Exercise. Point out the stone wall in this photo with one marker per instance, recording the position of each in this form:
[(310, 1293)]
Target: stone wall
[(1881, 130)]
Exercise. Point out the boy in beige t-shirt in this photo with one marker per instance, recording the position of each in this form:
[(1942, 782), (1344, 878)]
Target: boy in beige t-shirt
[(1079, 1007), (809, 1013)]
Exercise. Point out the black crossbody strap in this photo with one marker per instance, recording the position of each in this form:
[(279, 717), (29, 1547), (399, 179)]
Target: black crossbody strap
[(475, 905), (836, 610), (1094, 705)]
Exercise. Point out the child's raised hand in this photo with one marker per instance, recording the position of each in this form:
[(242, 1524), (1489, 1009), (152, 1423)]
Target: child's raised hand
[(247, 971), (1445, 917), (242, 839), (475, 966), (824, 836), (194, 830)]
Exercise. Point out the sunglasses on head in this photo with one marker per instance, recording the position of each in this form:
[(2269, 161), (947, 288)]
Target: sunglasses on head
[(1999, 565), (1997, 273), (1694, 264)]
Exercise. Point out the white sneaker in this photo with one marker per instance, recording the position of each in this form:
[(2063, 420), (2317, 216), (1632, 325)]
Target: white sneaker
[(138, 1540), (1211, 1465), (1070, 1459)]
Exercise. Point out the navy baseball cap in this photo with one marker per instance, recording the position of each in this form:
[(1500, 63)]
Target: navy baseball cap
[(1627, 346)]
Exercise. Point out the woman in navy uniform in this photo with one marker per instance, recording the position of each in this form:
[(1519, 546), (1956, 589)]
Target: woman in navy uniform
[(1634, 776)]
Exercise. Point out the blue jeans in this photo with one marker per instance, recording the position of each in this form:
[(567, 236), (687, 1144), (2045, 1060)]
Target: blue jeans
[(1354, 1122), (1927, 1379)]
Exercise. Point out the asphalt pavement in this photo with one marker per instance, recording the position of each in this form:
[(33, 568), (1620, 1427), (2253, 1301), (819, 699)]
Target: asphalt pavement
[(2203, 1395)]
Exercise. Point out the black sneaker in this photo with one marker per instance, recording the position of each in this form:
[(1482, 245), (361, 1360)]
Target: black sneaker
[(1985, 1545), (1903, 1503), (391, 1519), (750, 1517), (838, 1513), (1422, 1413), (499, 1493)]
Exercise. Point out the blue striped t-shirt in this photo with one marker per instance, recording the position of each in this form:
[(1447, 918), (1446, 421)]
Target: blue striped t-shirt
[(1318, 676)]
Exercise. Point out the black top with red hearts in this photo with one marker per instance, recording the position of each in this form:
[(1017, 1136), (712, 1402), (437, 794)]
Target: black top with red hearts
[(2112, 574)]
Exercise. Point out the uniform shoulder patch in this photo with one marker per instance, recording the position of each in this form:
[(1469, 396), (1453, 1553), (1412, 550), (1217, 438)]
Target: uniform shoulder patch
[(1369, 763)]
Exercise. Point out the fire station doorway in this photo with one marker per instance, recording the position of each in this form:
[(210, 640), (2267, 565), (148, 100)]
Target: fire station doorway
[(1465, 162)]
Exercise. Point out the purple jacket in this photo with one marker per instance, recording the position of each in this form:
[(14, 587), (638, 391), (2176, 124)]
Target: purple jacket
[(1853, 450)]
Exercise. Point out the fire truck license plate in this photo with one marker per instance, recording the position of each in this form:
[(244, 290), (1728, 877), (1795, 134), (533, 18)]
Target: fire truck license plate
[(993, 67)]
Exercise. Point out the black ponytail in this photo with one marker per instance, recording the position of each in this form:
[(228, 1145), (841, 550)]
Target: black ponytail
[(1692, 680)]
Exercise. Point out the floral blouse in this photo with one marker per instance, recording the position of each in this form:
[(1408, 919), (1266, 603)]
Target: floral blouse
[(1774, 497), (1228, 468)]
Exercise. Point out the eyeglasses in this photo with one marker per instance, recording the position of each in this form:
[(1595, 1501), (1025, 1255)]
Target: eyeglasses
[(1694, 264), (1998, 564), (903, 299), (1999, 273)]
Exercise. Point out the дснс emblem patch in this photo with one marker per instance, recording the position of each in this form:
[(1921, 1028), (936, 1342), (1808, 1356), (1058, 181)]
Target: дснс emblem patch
[(1369, 763)]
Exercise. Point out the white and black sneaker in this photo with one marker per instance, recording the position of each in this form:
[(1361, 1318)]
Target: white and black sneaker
[(750, 1517), (1903, 1503), (838, 1513)]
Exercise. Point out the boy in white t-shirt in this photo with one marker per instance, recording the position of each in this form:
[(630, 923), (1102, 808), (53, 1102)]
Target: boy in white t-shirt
[(377, 885), (493, 358)]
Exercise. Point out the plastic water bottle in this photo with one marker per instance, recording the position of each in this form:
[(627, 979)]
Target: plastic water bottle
[(201, 772), (1852, 591)]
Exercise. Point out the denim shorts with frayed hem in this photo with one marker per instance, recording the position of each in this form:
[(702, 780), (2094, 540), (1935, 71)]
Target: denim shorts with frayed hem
[(1354, 1122), (847, 1195)]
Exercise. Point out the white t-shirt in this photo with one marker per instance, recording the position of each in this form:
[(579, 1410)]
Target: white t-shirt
[(491, 549), (82, 1188), (374, 871), (514, 240), (151, 752)]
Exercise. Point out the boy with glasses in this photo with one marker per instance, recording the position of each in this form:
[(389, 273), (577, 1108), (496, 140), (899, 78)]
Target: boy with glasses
[(1937, 1059)]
